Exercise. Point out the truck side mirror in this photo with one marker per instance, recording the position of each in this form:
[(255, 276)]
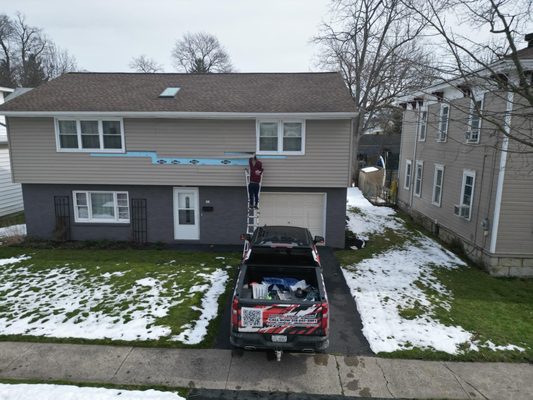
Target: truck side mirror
[(246, 236), (318, 239)]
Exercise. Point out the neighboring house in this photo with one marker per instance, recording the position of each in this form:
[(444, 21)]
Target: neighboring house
[(10, 193), (161, 157), (455, 179)]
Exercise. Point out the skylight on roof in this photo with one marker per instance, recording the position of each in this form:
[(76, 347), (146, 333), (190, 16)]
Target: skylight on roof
[(170, 92)]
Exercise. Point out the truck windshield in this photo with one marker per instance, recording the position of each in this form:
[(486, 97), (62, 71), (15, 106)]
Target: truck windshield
[(266, 255)]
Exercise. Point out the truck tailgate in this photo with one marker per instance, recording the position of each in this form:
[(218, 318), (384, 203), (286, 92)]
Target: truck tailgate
[(282, 318)]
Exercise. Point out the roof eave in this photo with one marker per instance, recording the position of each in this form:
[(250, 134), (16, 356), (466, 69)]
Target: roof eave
[(181, 114)]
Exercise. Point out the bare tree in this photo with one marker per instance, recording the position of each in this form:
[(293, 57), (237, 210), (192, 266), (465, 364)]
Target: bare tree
[(58, 61), (144, 64), (200, 53), (376, 46), (7, 35), (496, 65), (27, 56)]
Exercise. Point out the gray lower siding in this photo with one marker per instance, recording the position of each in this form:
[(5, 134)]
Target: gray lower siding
[(223, 225)]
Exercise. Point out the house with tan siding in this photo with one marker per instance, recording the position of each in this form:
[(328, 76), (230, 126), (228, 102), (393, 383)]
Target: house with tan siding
[(161, 157), (464, 177)]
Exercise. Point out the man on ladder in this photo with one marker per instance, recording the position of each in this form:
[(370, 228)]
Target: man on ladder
[(256, 172)]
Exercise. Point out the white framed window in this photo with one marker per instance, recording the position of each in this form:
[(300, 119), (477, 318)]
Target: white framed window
[(408, 174), (418, 178), (101, 207), (423, 125), (438, 181), (90, 135), (280, 137), (443, 122), (466, 202), (474, 121)]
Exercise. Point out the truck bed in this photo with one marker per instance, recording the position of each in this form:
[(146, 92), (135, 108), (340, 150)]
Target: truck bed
[(293, 319)]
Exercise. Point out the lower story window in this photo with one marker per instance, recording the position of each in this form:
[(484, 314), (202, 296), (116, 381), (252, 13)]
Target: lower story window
[(100, 206)]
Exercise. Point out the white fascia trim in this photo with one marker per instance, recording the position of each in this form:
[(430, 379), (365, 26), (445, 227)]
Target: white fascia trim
[(179, 114), (501, 174), (6, 89)]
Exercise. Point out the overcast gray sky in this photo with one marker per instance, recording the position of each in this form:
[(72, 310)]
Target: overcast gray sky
[(103, 35)]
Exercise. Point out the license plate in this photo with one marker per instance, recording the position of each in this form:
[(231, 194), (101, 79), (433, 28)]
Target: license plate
[(279, 338)]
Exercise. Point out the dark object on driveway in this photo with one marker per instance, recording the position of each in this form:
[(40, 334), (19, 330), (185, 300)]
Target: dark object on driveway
[(280, 299)]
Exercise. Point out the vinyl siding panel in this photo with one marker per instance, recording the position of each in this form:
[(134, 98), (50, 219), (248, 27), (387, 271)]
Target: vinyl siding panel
[(10, 193), (325, 163), (456, 156)]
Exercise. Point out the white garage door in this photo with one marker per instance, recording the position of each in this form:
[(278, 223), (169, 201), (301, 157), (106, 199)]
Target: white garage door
[(295, 209)]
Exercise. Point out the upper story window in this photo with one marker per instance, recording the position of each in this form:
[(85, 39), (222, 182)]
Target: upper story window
[(408, 174), (91, 135), (423, 125), (474, 121), (438, 180), (280, 137), (99, 206), (418, 178), (443, 122), (464, 208)]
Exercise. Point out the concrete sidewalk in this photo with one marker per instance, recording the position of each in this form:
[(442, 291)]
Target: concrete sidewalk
[(237, 370)]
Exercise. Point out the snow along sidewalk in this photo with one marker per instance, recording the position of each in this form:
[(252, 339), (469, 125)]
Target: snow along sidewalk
[(238, 370)]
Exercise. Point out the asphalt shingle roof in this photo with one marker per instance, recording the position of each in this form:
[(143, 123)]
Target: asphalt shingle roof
[(233, 92)]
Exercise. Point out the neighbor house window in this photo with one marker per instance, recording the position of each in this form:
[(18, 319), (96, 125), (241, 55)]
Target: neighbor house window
[(474, 122), (443, 122), (280, 137), (464, 209), (418, 178), (99, 206), (438, 179), (408, 174), (422, 128), (91, 135)]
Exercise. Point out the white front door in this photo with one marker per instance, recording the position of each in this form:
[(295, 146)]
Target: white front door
[(186, 214)]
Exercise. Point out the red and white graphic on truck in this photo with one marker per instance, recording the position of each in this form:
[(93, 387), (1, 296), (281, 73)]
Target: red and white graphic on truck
[(282, 318)]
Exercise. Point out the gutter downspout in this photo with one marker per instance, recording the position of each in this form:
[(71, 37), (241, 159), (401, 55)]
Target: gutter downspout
[(501, 173), (352, 166)]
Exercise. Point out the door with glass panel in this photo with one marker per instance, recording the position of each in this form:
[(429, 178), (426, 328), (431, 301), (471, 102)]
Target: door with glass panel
[(186, 215)]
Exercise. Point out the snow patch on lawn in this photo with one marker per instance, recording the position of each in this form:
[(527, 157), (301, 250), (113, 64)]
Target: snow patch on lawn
[(194, 333), (369, 219), (65, 302), (68, 392), (13, 230), (391, 289), (13, 260), (384, 285)]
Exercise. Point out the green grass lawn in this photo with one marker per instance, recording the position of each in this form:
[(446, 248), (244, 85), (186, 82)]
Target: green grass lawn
[(493, 309), (95, 292)]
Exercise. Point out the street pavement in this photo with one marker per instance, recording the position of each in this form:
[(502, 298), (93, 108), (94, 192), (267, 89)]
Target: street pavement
[(250, 372)]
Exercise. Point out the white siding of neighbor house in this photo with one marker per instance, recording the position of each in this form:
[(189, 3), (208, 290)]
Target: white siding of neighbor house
[(10, 193), (325, 163), (456, 156)]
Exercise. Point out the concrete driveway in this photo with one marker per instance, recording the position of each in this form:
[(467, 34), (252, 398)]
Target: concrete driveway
[(346, 336)]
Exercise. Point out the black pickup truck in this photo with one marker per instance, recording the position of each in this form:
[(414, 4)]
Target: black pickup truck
[(280, 299)]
